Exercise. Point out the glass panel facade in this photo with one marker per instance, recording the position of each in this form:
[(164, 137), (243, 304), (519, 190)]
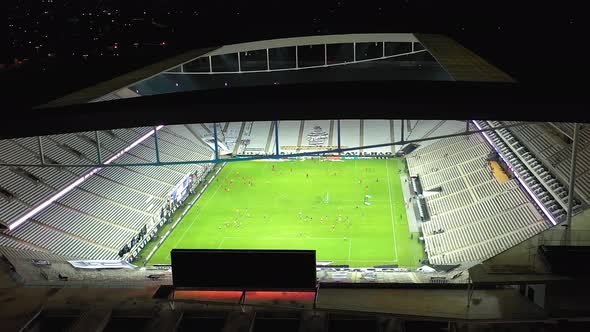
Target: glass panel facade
[(253, 60), (200, 65), (397, 48), (225, 62), (311, 55), (365, 51), (413, 66), (282, 57), (340, 53)]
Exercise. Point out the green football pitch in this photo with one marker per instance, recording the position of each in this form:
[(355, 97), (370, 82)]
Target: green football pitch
[(311, 204)]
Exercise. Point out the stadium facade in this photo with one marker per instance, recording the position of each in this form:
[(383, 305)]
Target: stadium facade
[(477, 197)]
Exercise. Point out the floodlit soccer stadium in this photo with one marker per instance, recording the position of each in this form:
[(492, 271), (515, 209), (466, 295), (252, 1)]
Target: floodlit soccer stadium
[(380, 200)]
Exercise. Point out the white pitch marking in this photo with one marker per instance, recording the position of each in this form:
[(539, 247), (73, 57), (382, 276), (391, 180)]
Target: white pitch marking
[(349, 246), (198, 212), (220, 243), (391, 209)]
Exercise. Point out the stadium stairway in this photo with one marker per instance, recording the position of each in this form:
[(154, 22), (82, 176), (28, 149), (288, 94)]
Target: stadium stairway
[(551, 144)]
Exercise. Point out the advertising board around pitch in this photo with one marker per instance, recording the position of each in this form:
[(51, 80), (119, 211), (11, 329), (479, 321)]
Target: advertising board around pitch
[(247, 270)]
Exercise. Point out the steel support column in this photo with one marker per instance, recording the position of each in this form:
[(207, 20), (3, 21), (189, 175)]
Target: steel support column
[(277, 138), (339, 139), (216, 144), (156, 145), (570, 202), (402, 138), (470, 289), (97, 140), (40, 143)]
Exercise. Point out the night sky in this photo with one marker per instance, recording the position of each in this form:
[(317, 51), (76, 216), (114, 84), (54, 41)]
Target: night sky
[(70, 44)]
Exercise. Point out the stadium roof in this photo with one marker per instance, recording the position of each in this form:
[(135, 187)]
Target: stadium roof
[(458, 63), (103, 88), (403, 75)]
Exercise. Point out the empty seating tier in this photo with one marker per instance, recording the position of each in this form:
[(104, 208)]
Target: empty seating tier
[(538, 178), (552, 145), (473, 217), (104, 213)]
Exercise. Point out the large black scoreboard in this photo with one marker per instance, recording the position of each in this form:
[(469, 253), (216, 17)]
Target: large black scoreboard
[(246, 270)]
